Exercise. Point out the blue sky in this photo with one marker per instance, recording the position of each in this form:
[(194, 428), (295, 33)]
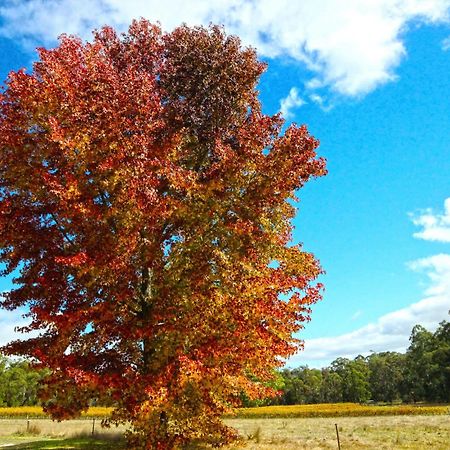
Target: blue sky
[(371, 81)]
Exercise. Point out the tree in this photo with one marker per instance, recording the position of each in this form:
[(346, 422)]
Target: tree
[(302, 385), (428, 364), (331, 386), (18, 383), (441, 357), (355, 378), (386, 375), (312, 379), (419, 365), (146, 206)]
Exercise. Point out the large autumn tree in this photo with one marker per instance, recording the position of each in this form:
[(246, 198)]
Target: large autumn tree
[(145, 212)]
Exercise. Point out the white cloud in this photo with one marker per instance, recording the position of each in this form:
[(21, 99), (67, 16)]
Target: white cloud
[(435, 226), (390, 332), (9, 320), (40, 22), (291, 102), (349, 46)]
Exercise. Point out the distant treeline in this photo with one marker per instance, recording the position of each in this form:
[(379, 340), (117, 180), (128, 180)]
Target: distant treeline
[(19, 383), (422, 374)]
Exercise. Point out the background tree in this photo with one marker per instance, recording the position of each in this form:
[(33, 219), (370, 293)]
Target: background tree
[(386, 376), (143, 200), (3, 385), (441, 357), (428, 364), (419, 364), (19, 383), (355, 378), (331, 386), (302, 385), (293, 392)]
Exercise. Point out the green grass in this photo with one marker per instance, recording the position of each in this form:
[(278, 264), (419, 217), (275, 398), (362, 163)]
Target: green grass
[(83, 442)]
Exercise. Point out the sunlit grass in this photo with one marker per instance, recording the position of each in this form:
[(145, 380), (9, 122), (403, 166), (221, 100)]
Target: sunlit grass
[(317, 410), (381, 433), (283, 433), (340, 410), (36, 411)]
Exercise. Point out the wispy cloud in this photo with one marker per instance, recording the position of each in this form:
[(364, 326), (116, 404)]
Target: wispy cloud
[(445, 44), (356, 315), (292, 101), (435, 226), (391, 331), (350, 47), (321, 102)]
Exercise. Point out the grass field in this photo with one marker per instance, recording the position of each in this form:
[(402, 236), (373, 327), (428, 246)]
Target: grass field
[(42, 433), (379, 432)]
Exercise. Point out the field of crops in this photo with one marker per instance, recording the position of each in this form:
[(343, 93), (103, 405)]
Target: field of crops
[(37, 412), (292, 411), (340, 410)]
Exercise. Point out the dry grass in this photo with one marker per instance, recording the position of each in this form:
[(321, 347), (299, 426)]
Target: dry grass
[(16, 431), (376, 432), (400, 432)]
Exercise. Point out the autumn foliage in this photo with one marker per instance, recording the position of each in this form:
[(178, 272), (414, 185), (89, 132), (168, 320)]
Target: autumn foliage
[(145, 211)]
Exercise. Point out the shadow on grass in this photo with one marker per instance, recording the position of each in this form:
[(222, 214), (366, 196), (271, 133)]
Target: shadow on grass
[(77, 442)]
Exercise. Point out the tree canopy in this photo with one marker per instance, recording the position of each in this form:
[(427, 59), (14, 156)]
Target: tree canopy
[(145, 211)]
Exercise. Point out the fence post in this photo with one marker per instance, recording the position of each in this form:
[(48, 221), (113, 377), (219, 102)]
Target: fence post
[(93, 425), (337, 435), (28, 424)]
